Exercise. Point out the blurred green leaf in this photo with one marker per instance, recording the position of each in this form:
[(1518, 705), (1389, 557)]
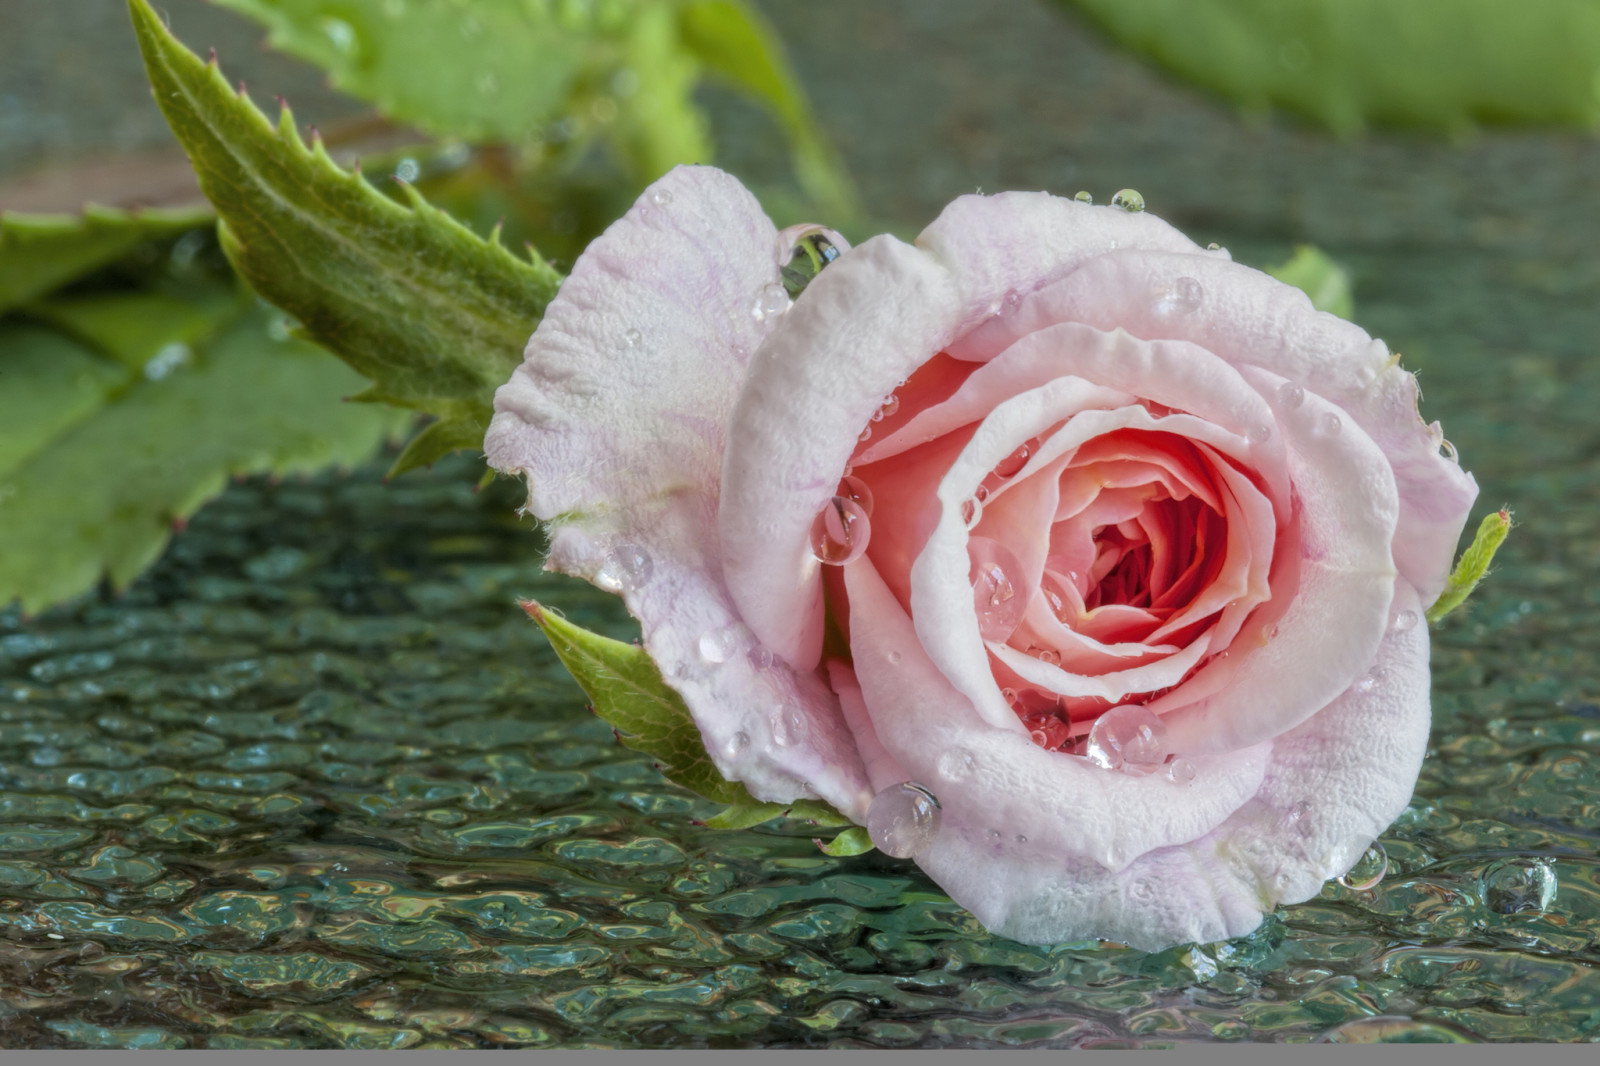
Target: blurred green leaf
[(554, 76), (40, 253), (1473, 564), (435, 316), (1326, 282), (853, 841), (1443, 64), (136, 327), (626, 689), (98, 461)]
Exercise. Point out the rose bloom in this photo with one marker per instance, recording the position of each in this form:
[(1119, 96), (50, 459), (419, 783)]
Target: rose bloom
[(1081, 564)]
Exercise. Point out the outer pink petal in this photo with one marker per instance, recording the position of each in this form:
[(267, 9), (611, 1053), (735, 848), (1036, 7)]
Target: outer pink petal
[(1332, 785), (1016, 798), (617, 417)]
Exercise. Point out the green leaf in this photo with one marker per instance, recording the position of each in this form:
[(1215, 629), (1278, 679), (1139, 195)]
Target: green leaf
[(627, 691), (1473, 564), (40, 253), (135, 327), (739, 47), (105, 473), (435, 316), (1442, 64), (853, 841), (1326, 282)]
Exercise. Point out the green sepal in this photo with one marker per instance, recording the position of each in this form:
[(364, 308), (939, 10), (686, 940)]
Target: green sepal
[(1473, 564), (40, 253), (627, 691), (1313, 273), (435, 316), (853, 841), (1346, 64)]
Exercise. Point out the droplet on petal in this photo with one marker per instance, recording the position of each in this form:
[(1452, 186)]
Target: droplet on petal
[(1045, 655), (972, 512), (866, 434), (1179, 296), (890, 405), (840, 531), (1128, 736), (1012, 464), (903, 820), (1368, 871), (1366, 682), (1010, 302), (995, 574), (625, 568), (789, 726), (1404, 622), (1180, 771), (661, 197), (1259, 435), (853, 488), (1129, 200), (1084, 197), (804, 251), (1328, 425), (1291, 395), (957, 764), (771, 301), (716, 646), (761, 657), (737, 744)]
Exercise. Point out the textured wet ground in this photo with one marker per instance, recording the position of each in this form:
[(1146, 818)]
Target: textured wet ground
[(315, 781)]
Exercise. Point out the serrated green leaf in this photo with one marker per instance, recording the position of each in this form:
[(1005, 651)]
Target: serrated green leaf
[(1326, 282), (40, 253), (853, 841), (1473, 564), (627, 691), (108, 473), (435, 316), (1443, 64)]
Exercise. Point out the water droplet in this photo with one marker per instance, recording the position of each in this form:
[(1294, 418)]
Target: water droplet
[(718, 645), (1012, 464), (804, 251), (996, 598), (1046, 655), (840, 531), (1512, 886), (761, 657), (340, 33), (1127, 736), (1259, 435), (890, 405), (1129, 200), (1328, 425), (1213, 247), (1180, 771), (627, 567), (407, 170), (972, 512), (1021, 838), (1290, 395), (981, 494), (865, 434), (279, 326), (1084, 197), (789, 726), (1367, 682), (1404, 622), (771, 301), (903, 820), (168, 359), (1368, 871), (894, 658), (737, 744), (661, 197), (1179, 296), (632, 339), (1449, 451), (853, 488), (1298, 818), (957, 764)]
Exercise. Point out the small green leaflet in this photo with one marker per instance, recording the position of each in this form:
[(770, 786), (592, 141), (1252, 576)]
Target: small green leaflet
[(100, 459), (434, 315), (1440, 64), (1326, 282), (1473, 564), (40, 253), (627, 691), (556, 76)]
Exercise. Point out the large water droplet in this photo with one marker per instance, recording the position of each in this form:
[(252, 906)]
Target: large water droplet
[(1012, 464), (718, 645), (1180, 296), (632, 339), (853, 488), (804, 251), (1367, 871), (957, 764), (1084, 196), (997, 595), (840, 532), (903, 820), (1512, 886), (1130, 737), (789, 726), (1129, 200), (627, 567)]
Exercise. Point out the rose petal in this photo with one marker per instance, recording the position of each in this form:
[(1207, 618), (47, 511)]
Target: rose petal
[(1333, 783), (621, 438), (1060, 803)]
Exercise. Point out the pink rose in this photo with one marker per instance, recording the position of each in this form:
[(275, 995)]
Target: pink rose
[(1079, 563)]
